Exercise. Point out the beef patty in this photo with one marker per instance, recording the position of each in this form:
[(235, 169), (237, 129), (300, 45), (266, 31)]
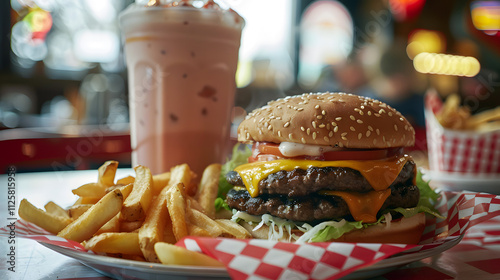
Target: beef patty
[(314, 206), (300, 182)]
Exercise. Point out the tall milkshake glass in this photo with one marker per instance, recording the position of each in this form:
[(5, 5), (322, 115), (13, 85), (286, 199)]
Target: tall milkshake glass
[(181, 64)]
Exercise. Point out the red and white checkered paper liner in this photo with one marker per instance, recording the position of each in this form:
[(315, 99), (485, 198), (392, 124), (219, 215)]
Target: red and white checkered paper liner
[(254, 258), (459, 151)]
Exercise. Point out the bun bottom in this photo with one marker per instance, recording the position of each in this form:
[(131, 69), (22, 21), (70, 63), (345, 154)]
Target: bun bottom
[(402, 231)]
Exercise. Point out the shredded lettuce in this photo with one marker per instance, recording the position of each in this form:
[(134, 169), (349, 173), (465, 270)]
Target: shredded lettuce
[(238, 157)]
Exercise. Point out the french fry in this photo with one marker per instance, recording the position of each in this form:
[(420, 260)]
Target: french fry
[(483, 118), (47, 221), (168, 231), (160, 181), (194, 230), (209, 186), (151, 230), (175, 255), (126, 180), (107, 171), (126, 190), (76, 211), (233, 229), (93, 219), (90, 190), (54, 209), (86, 200), (115, 242), (201, 220), (130, 226), (112, 225), (180, 174), (177, 210), (137, 203)]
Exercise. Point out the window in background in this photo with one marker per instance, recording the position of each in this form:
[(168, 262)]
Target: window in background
[(267, 36), (326, 39), (70, 37)]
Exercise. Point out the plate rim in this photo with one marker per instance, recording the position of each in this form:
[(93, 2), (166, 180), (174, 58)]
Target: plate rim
[(88, 259)]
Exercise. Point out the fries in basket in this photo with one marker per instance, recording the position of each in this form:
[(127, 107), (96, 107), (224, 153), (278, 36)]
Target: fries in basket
[(454, 116), (141, 217)]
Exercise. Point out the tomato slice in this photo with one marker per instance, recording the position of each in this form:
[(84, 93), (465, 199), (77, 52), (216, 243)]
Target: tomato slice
[(265, 151)]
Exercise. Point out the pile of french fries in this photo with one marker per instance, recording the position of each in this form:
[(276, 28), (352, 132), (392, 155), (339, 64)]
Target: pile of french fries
[(454, 116), (141, 217)]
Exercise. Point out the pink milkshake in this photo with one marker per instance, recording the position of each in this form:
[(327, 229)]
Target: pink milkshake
[(181, 67)]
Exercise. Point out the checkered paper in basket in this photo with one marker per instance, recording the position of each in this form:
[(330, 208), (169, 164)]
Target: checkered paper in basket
[(247, 259), (459, 151)]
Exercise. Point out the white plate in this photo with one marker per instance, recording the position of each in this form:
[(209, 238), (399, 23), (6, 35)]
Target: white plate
[(464, 182), (128, 269)]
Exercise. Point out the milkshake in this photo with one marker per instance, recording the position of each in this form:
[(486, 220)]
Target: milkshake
[(181, 64)]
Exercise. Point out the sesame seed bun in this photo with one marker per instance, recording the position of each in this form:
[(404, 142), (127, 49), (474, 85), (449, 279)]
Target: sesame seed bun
[(332, 119)]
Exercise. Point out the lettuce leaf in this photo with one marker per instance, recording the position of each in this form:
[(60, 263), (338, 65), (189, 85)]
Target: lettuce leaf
[(239, 156)]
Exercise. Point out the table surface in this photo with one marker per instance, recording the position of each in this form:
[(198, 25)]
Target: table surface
[(476, 256)]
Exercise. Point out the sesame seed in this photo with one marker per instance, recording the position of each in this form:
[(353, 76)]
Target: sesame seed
[(357, 109), (290, 136), (334, 123), (323, 112), (378, 131), (344, 138), (360, 135), (343, 134), (370, 128), (278, 118), (352, 117), (341, 145), (319, 117), (359, 121), (406, 127), (401, 119), (362, 107), (396, 127), (248, 135), (361, 113), (374, 141), (381, 111), (336, 129), (368, 133), (300, 109), (383, 138), (352, 128), (322, 125), (303, 140), (390, 114), (316, 107), (308, 131), (338, 118), (326, 139), (369, 113), (302, 128), (328, 126), (314, 124), (314, 135), (279, 133), (266, 124), (377, 115), (287, 124)]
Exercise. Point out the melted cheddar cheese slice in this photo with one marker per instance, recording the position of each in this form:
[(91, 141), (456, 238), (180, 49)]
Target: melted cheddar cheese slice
[(379, 173), (363, 206)]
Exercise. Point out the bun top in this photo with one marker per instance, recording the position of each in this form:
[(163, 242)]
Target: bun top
[(331, 119)]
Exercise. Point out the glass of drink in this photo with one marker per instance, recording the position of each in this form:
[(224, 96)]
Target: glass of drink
[(181, 62)]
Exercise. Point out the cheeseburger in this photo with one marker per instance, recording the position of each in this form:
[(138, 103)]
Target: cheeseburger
[(327, 167)]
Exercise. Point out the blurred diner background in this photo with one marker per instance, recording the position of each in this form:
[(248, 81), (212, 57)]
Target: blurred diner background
[(63, 82)]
